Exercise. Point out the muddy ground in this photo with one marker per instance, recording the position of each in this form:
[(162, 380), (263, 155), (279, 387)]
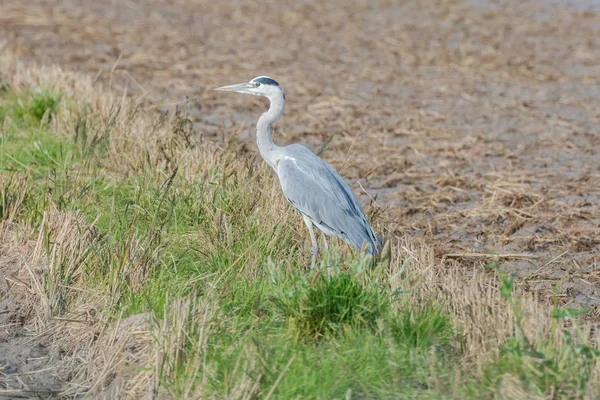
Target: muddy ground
[(474, 124)]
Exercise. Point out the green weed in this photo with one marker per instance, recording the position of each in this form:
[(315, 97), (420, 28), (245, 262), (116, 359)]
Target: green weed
[(327, 305)]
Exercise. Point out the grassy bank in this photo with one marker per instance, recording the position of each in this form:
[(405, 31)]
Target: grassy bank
[(150, 262)]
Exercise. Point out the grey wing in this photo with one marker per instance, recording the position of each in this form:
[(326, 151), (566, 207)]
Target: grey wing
[(315, 189)]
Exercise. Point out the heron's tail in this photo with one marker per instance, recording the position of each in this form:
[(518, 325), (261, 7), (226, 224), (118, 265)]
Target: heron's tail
[(376, 245), (369, 242)]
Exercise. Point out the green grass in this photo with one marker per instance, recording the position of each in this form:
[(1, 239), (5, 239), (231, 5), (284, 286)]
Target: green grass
[(26, 142), (337, 340), (31, 110), (330, 304), (207, 252)]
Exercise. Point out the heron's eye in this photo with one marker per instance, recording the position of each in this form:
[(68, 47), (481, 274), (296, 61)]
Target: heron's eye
[(257, 84)]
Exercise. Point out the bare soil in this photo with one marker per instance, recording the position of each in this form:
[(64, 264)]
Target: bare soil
[(475, 125)]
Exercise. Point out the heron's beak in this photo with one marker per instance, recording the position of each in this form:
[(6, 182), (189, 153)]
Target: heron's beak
[(239, 88)]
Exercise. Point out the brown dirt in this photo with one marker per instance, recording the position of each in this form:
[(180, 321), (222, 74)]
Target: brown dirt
[(476, 124)]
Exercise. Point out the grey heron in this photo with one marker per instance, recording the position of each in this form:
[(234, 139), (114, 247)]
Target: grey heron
[(311, 185)]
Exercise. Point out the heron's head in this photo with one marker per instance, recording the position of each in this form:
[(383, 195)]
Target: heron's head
[(260, 86)]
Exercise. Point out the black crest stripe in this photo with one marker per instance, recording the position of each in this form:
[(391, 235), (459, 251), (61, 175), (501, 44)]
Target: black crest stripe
[(266, 81)]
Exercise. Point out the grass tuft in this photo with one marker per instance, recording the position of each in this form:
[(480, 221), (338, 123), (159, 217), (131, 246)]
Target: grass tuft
[(30, 110), (328, 305)]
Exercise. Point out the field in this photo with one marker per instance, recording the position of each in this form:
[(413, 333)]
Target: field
[(146, 250)]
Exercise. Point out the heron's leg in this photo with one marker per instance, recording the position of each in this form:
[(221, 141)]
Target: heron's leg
[(313, 239), (325, 244)]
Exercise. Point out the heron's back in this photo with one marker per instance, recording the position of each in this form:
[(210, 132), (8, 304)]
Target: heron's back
[(316, 190)]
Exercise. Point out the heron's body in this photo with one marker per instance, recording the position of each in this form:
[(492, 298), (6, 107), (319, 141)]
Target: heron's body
[(318, 192), (311, 185)]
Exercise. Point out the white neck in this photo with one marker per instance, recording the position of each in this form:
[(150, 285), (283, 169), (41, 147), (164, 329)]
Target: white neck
[(268, 149)]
